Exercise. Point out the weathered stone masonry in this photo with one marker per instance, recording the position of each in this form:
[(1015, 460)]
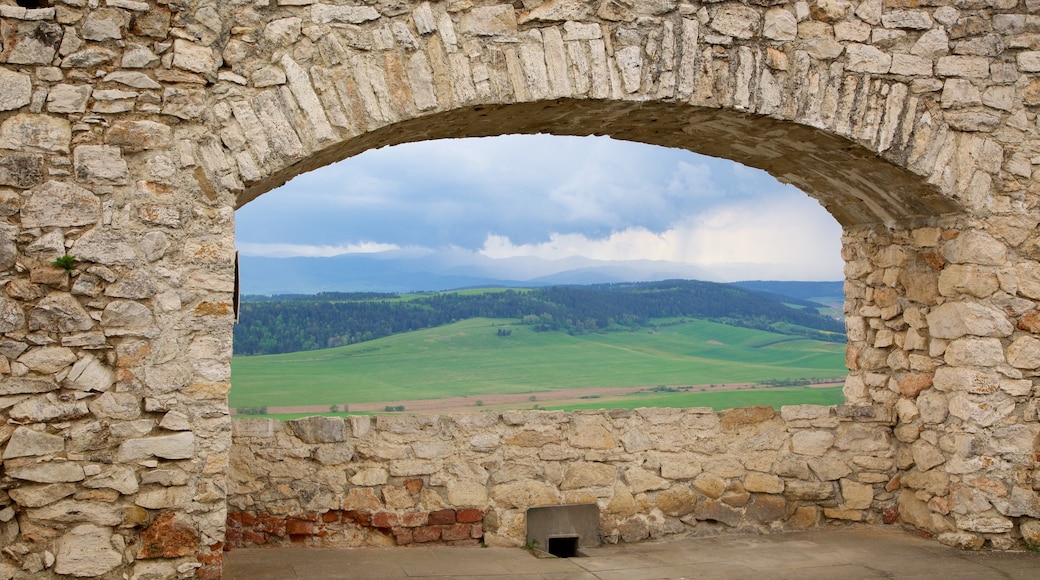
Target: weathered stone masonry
[(400, 480), (130, 130)]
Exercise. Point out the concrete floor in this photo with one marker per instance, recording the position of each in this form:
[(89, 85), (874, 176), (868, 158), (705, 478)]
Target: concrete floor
[(824, 554)]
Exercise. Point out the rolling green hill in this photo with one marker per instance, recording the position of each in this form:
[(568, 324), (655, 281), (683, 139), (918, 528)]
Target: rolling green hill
[(470, 358), (281, 324)]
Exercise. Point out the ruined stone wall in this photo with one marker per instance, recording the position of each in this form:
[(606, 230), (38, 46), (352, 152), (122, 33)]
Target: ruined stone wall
[(130, 131), (397, 480)]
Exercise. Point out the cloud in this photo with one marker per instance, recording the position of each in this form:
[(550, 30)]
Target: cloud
[(276, 250), (547, 196), (737, 242)]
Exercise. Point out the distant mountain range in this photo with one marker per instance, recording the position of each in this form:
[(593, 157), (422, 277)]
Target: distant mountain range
[(411, 271)]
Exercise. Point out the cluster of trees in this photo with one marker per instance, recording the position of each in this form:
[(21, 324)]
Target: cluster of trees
[(251, 410), (293, 323)]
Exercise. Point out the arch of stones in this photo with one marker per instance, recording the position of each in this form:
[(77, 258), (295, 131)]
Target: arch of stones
[(131, 130)]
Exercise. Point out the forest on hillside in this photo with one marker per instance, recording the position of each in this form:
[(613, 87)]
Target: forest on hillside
[(290, 323)]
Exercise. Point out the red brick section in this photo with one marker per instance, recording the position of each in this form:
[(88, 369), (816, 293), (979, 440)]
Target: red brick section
[(447, 526), (442, 517)]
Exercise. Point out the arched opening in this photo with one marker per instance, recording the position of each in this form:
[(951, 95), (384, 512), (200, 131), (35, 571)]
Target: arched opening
[(536, 213)]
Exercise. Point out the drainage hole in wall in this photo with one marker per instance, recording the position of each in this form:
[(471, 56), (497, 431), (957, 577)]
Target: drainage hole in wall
[(565, 547)]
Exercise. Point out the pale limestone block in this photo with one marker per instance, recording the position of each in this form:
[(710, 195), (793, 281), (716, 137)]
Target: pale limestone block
[(42, 132), (1002, 98), (100, 165), (86, 550), (327, 13), (679, 468), (856, 496), (982, 411), (425, 22), (957, 319), (557, 11), (926, 456), (933, 406), (280, 135), (958, 279), (630, 62), (592, 437), (960, 93), (736, 20), (963, 66), (179, 446), (119, 406), (907, 410), (581, 31), (370, 477), (809, 490), (813, 443), (1029, 61), (829, 468), (587, 474), (123, 317), (1024, 353), (283, 32), (640, 480), (410, 467), (26, 442), (300, 85), (492, 21), (970, 380), (319, 429), (118, 477), (867, 59), (1027, 275), (48, 359), (524, 494), (137, 56), (15, 90), (780, 24), (32, 496), (755, 482), (467, 493), (57, 472), (983, 352), (911, 19), (195, 58), (984, 524), (852, 31)]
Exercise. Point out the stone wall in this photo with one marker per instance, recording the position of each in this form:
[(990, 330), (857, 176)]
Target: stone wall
[(653, 472), (130, 131)]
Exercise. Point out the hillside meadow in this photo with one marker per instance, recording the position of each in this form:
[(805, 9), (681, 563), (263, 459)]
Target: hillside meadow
[(470, 359)]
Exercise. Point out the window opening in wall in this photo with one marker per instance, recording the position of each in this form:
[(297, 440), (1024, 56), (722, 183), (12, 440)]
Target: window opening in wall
[(535, 272)]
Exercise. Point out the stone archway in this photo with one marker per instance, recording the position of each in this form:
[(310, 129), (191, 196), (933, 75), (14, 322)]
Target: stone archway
[(130, 133)]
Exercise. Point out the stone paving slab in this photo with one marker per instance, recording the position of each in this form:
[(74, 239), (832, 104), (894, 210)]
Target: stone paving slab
[(849, 554)]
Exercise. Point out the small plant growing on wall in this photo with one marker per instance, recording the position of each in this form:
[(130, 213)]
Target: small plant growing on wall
[(66, 262)]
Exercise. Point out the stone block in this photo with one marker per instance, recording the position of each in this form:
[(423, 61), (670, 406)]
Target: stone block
[(676, 501), (767, 508), (712, 510), (319, 429), (587, 474), (86, 550)]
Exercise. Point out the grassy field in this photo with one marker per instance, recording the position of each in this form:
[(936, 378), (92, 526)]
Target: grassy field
[(467, 358)]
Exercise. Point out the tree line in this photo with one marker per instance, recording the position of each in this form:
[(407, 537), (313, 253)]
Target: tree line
[(290, 323)]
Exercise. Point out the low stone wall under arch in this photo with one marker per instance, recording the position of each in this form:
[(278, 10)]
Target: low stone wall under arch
[(469, 478)]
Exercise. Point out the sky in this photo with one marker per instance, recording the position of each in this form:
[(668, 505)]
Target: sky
[(549, 197)]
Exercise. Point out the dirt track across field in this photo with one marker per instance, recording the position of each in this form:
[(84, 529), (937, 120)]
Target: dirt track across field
[(517, 400)]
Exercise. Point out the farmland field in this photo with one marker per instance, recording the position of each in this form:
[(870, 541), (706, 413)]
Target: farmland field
[(660, 367)]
